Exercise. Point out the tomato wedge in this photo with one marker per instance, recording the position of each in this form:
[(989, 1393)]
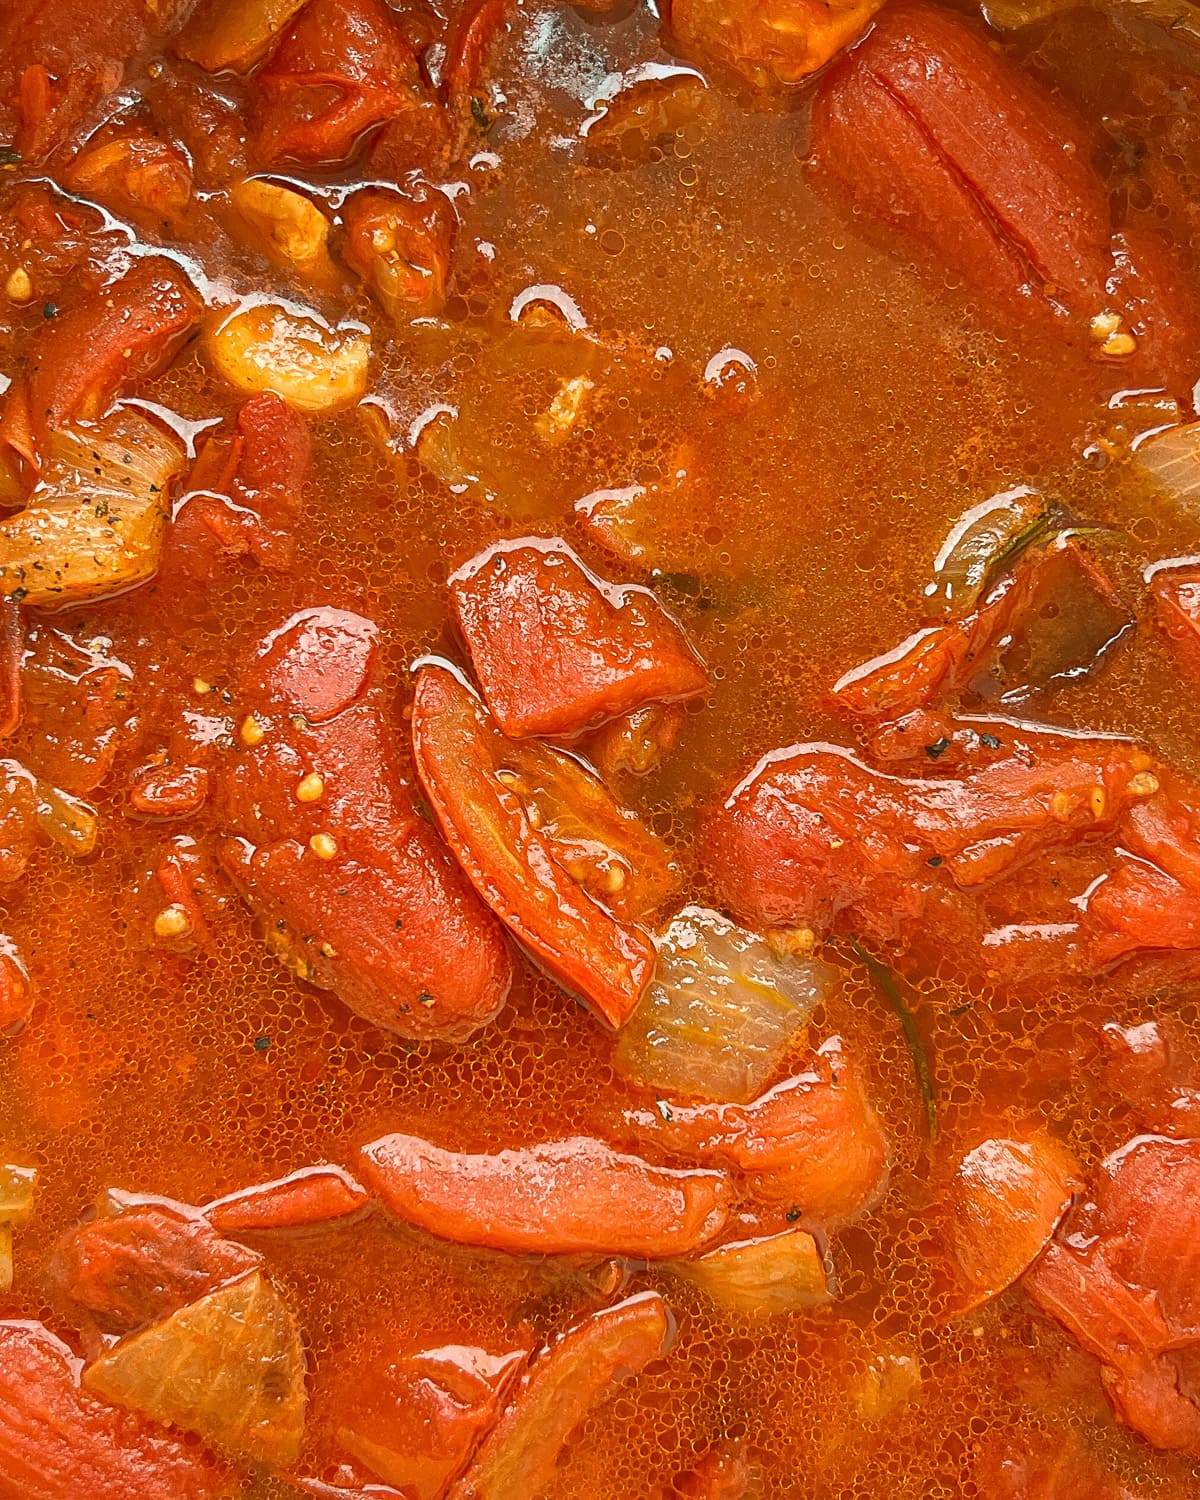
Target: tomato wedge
[(463, 762)]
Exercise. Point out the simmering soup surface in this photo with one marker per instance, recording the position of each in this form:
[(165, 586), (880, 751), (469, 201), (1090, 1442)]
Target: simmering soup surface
[(600, 797)]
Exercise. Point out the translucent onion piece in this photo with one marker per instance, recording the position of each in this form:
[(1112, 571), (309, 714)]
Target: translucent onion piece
[(270, 347), (228, 1367), (986, 537), (721, 1010), (16, 1207), (16, 1193), (95, 524), (783, 1273), (1172, 460)]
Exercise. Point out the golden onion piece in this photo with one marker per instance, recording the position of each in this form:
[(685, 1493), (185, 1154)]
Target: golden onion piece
[(228, 1367), (94, 526), (782, 1273), (271, 346)]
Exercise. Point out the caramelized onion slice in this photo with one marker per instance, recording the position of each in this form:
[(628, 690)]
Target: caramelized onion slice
[(228, 1367), (721, 1011), (782, 1273), (983, 540)]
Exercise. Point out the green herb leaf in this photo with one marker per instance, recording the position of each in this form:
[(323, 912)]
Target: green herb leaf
[(885, 982)]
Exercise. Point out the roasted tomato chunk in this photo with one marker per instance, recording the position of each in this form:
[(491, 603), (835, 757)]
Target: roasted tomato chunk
[(812, 1144), (244, 493), (342, 68), (550, 899), (401, 244), (81, 360), (569, 1196), (814, 838), (1124, 1280), (557, 650), (928, 128), (139, 1262), (1176, 594), (355, 891)]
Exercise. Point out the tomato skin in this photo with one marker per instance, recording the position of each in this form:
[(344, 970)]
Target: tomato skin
[(314, 1195), (565, 1197), (556, 650), (132, 330), (605, 962), (931, 131), (51, 1432), (387, 920), (1176, 595), (342, 68)]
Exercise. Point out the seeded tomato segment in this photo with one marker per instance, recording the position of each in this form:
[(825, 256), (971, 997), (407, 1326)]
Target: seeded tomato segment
[(355, 890), (460, 755), (566, 1197), (556, 649)]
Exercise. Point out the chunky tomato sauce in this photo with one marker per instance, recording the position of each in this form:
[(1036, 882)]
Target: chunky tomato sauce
[(320, 302)]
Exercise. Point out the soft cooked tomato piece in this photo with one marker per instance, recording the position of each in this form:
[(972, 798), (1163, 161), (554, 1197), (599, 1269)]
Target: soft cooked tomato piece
[(58, 59), (520, 1454), (930, 129), (463, 763), (770, 42), (1154, 1072), (724, 1473), (16, 992), (556, 649), (142, 1262), (574, 1195), (813, 1143), (136, 174), (1124, 1280), (812, 837), (342, 68), (314, 1195), (131, 330), (1055, 615), (416, 1420), (401, 244), (261, 467), (55, 1437), (1006, 1200), (1176, 595), (356, 892)]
